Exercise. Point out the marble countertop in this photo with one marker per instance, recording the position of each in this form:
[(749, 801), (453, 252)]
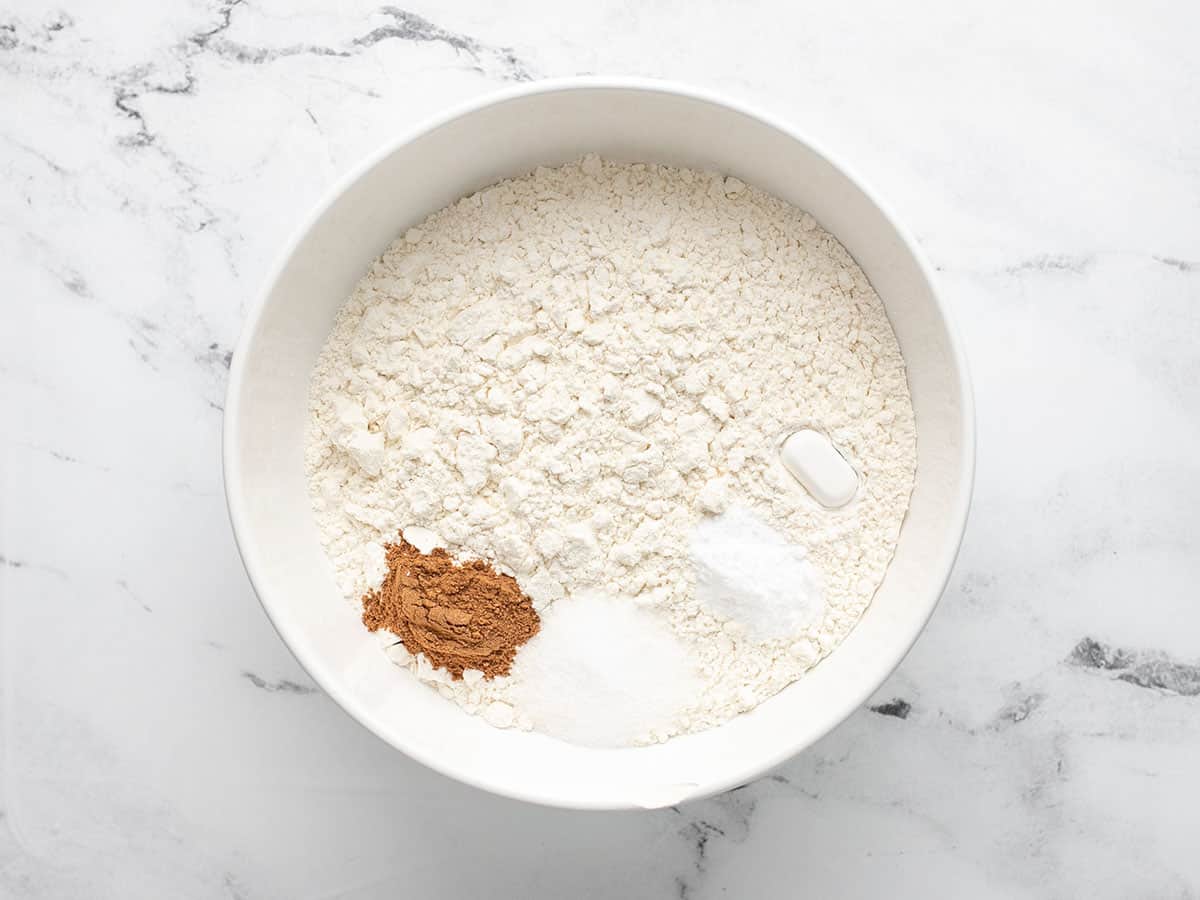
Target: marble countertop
[(1041, 740)]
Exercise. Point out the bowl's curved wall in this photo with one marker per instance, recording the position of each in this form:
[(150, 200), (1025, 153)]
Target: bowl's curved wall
[(267, 414)]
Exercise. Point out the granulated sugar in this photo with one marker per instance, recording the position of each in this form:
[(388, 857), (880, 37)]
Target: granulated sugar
[(567, 373), (603, 672)]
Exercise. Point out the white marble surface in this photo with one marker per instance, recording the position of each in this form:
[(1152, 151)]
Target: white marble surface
[(159, 741)]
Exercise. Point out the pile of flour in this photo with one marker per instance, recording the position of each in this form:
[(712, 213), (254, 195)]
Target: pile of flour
[(565, 373)]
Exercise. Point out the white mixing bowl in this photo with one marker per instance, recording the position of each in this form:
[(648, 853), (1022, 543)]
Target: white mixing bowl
[(502, 135)]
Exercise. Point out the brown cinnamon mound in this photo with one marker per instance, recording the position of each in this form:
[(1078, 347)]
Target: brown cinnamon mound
[(461, 617)]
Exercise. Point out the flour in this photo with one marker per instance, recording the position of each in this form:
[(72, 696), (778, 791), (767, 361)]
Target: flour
[(566, 372)]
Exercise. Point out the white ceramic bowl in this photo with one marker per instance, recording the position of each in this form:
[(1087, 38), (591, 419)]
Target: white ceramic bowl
[(501, 135)]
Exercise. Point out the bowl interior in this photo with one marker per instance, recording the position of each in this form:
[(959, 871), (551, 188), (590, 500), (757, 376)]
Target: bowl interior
[(267, 415)]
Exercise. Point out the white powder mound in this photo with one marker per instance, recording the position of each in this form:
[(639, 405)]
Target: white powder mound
[(747, 572), (566, 372), (603, 672)]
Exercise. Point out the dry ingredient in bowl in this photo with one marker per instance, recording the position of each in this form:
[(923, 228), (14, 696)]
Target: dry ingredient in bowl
[(749, 573), (461, 617), (603, 672), (570, 375)]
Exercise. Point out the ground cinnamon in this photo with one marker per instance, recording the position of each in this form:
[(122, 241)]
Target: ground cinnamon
[(461, 617)]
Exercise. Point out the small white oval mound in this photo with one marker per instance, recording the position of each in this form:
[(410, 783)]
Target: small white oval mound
[(816, 463)]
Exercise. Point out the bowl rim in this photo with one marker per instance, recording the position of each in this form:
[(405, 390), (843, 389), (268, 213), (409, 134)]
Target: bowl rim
[(235, 495)]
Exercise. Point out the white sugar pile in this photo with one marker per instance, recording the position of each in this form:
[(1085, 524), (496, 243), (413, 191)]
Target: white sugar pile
[(603, 672)]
